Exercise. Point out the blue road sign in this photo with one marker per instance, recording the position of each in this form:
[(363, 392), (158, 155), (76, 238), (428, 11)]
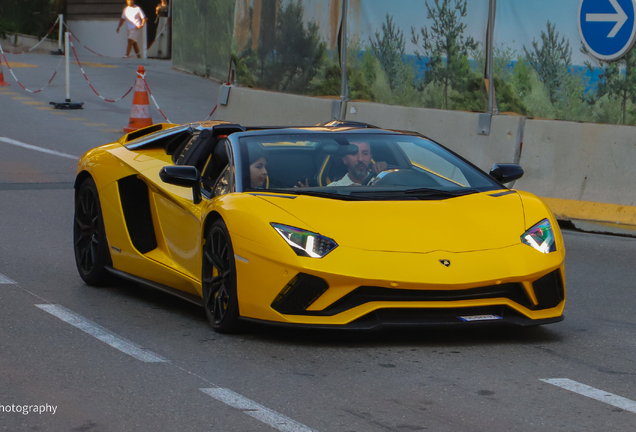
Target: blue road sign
[(607, 27)]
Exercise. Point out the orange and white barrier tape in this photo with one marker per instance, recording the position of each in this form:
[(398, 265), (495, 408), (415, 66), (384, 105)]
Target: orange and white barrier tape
[(143, 77), (89, 83), (38, 44), (18, 81), (105, 56)]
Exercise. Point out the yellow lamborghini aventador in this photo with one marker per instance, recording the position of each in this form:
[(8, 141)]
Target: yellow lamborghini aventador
[(339, 225)]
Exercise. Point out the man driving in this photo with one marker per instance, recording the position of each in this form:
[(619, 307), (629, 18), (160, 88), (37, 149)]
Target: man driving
[(359, 166)]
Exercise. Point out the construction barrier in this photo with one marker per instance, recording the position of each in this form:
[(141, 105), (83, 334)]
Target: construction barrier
[(140, 110), (4, 57), (2, 81), (141, 76)]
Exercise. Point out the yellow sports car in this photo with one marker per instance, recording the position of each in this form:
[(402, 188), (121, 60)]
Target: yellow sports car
[(342, 225)]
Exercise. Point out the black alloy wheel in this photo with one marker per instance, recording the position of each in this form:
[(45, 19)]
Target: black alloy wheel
[(89, 236), (219, 280)]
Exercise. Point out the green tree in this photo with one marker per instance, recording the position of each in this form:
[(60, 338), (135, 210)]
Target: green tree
[(551, 60), (389, 50), (617, 81), (360, 74), (289, 56), (33, 17), (444, 45), (522, 77), (508, 97)]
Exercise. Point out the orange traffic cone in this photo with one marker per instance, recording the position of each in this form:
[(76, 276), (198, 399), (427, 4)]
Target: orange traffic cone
[(140, 111), (2, 81)]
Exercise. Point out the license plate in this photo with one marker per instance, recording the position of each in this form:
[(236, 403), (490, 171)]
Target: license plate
[(479, 318)]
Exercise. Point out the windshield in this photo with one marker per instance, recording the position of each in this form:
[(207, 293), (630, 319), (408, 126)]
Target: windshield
[(357, 167)]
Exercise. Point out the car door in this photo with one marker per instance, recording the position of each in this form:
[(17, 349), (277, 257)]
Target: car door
[(179, 216)]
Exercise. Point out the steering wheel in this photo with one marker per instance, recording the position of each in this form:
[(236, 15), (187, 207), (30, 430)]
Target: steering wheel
[(372, 175), (369, 177)]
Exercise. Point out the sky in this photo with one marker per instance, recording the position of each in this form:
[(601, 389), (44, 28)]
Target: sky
[(519, 22)]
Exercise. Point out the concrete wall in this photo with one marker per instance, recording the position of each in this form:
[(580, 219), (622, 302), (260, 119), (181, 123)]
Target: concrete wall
[(580, 161), (263, 108), (21, 43), (585, 172), (100, 35), (94, 9), (454, 129)]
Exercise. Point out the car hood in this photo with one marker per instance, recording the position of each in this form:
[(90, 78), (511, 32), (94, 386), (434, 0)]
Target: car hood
[(482, 221)]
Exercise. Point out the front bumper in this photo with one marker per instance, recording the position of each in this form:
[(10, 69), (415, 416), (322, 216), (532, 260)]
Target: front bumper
[(416, 318), (364, 289)]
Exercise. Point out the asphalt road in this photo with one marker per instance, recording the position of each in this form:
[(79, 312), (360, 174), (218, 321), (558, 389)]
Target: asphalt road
[(458, 379)]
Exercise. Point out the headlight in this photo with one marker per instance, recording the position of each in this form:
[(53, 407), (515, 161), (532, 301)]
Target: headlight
[(305, 243), (540, 237)]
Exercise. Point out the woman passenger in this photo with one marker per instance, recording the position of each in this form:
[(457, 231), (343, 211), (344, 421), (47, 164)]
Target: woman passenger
[(258, 168)]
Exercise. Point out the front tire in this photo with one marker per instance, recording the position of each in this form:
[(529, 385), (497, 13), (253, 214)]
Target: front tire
[(219, 280), (89, 236)]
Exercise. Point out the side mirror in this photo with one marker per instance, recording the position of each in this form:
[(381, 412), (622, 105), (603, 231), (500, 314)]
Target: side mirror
[(506, 173), (183, 175)]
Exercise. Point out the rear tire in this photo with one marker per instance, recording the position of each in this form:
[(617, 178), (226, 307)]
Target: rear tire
[(89, 236), (219, 280)]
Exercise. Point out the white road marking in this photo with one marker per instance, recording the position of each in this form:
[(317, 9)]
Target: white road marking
[(593, 393), (259, 412), (102, 334), (6, 281), (36, 148), (228, 397)]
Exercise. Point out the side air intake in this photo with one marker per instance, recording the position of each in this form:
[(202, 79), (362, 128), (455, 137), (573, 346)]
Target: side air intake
[(549, 290), (135, 203)]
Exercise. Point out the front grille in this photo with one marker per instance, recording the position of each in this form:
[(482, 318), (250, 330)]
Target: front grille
[(366, 294), (299, 294), (304, 289), (135, 203), (549, 290)]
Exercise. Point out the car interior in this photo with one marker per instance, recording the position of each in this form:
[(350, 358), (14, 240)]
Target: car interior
[(316, 164)]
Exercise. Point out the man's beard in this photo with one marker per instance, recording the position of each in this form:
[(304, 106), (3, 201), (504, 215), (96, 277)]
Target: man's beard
[(360, 170)]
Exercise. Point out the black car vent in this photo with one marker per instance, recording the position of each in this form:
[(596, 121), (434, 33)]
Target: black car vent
[(367, 294), (143, 132), (299, 294), (549, 290), (135, 203), (347, 124)]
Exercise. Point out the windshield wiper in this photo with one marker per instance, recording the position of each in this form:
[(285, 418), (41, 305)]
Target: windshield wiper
[(326, 195), (436, 192), (417, 194), (318, 194)]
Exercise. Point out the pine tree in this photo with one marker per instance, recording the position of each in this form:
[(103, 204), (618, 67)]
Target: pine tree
[(389, 50), (551, 60), (617, 80), (444, 45), (288, 55)]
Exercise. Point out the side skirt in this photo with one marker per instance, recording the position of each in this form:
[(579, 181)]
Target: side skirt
[(169, 290)]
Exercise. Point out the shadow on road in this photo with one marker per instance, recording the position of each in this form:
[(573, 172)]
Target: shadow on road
[(431, 336)]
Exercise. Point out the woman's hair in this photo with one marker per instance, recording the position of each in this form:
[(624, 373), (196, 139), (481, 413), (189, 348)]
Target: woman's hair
[(255, 152)]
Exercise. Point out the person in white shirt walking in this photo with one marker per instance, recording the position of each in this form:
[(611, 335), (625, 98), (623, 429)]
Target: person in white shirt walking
[(135, 19)]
